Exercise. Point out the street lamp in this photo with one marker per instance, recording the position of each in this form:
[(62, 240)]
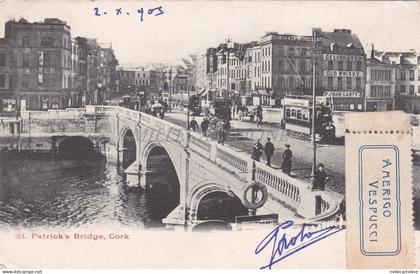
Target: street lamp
[(313, 114), (170, 90), (188, 111)]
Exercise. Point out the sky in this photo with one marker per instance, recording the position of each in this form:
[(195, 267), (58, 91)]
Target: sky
[(190, 27)]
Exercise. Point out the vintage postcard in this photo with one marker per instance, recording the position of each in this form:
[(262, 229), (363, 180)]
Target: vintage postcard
[(209, 134)]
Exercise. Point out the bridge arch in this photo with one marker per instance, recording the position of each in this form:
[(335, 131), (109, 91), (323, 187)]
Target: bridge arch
[(75, 147), (162, 177), (212, 201), (128, 146)]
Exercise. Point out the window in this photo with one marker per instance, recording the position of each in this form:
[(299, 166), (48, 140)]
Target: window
[(25, 41), (411, 90), (330, 65), (402, 74), (302, 66), (349, 65), (2, 81), (418, 89), (25, 81), (47, 42), (25, 60), (402, 88), (291, 51), (359, 66), (299, 114), (411, 72), (340, 65), (291, 82), (330, 82), (2, 59), (303, 52), (418, 75), (358, 82), (340, 82)]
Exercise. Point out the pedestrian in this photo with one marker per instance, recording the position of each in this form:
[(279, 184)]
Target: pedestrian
[(221, 132), (321, 178), (259, 116), (257, 151), (193, 124), (269, 150), (286, 166), (204, 126), (240, 113), (162, 114)]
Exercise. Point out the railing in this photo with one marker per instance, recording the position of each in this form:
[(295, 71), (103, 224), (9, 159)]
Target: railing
[(288, 189)]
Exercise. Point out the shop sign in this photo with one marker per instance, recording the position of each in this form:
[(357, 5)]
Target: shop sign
[(341, 73), (351, 94), (337, 57)]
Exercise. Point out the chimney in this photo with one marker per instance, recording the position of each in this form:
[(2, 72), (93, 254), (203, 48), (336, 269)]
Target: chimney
[(372, 52)]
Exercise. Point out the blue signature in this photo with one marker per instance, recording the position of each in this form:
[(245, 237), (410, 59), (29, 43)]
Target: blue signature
[(281, 247)]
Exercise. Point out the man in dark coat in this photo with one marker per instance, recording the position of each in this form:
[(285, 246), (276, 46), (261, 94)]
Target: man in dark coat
[(193, 124), (286, 166), (321, 178), (257, 151), (269, 150), (205, 126)]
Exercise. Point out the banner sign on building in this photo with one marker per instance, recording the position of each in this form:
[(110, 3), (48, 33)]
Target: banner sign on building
[(352, 94), (340, 73), (337, 57)]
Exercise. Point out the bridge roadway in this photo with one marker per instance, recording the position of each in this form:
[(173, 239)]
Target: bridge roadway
[(202, 166)]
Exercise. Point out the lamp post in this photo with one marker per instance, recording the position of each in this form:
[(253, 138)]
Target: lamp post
[(313, 114), (170, 90), (188, 111)]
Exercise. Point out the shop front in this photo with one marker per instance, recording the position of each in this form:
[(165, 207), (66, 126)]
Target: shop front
[(379, 104), (8, 105), (346, 100)]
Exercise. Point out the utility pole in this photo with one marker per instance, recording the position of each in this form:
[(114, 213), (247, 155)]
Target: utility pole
[(188, 111), (170, 90), (228, 72), (313, 113)]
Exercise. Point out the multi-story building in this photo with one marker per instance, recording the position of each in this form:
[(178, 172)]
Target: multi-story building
[(380, 84), (41, 64), (341, 68), (286, 64), (7, 98), (407, 78)]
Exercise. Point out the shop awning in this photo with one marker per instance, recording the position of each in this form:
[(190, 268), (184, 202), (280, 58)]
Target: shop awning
[(202, 90), (205, 92)]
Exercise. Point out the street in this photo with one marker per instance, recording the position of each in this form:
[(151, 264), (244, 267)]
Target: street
[(244, 134)]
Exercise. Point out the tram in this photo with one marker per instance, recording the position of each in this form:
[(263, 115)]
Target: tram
[(297, 118), (195, 105), (221, 109)]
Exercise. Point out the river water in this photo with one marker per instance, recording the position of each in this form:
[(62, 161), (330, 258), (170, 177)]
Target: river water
[(38, 190)]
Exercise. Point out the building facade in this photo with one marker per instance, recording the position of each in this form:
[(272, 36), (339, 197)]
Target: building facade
[(380, 84), (341, 69), (41, 64), (7, 98)]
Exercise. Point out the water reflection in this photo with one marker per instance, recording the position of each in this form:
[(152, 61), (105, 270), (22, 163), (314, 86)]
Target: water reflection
[(38, 190)]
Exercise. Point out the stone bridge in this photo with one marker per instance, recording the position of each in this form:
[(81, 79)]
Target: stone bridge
[(151, 150)]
